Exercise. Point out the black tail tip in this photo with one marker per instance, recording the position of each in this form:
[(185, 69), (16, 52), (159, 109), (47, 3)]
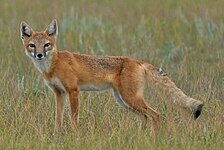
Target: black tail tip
[(197, 111)]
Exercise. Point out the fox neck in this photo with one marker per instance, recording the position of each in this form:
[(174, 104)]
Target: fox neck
[(45, 65)]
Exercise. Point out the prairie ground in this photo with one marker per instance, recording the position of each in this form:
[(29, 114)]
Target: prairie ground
[(184, 37)]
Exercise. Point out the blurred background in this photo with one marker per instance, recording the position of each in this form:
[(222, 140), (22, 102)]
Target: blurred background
[(184, 37)]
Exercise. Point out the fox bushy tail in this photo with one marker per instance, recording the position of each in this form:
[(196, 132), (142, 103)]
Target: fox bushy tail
[(162, 83)]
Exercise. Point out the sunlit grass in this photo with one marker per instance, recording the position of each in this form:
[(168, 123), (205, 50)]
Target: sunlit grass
[(184, 37)]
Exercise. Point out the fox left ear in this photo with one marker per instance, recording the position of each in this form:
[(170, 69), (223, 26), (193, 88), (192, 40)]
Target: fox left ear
[(52, 29), (25, 30)]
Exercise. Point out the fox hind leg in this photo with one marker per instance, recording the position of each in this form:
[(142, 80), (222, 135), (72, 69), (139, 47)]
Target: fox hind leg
[(138, 105), (142, 109)]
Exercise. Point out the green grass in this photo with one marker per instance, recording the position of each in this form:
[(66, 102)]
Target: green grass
[(184, 37)]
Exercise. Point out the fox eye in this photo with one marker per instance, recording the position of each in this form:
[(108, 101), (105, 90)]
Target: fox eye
[(47, 45), (31, 45)]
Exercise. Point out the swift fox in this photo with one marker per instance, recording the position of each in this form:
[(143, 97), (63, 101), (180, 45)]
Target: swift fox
[(67, 73)]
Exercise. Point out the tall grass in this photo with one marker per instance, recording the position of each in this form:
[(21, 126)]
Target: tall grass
[(184, 37)]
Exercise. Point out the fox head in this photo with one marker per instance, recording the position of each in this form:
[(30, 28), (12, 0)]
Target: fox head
[(39, 45)]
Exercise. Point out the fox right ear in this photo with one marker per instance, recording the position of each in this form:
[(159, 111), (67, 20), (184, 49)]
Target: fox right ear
[(25, 30), (52, 29)]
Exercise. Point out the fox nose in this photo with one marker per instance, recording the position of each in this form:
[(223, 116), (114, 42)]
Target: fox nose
[(39, 55)]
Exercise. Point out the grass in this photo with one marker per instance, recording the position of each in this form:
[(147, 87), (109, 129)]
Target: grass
[(184, 37)]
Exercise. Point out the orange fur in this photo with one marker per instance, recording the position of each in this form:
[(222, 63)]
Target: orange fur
[(67, 73)]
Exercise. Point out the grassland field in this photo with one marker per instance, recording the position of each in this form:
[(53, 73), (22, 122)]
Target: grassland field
[(184, 37)]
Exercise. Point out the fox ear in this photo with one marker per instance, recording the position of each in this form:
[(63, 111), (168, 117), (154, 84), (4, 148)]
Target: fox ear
[(52, 29), (25, 30)]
